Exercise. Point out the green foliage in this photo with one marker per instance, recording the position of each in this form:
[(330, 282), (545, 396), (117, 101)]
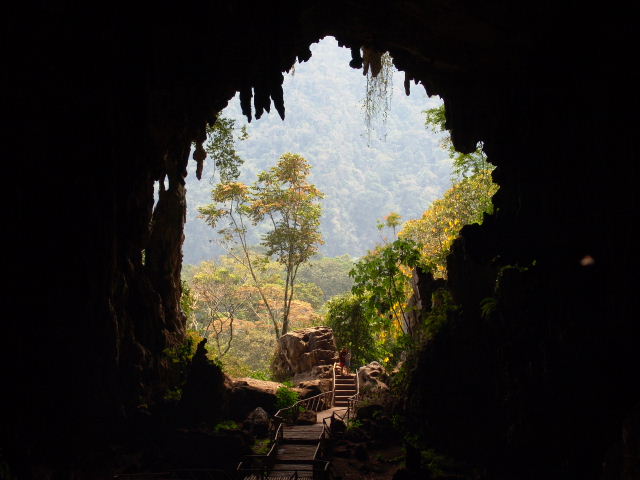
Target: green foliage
[(488, 306), (286, 397), (226, 426), (352, 328), (310, 293), (221, 147), (392, 222), (354, 424), (439, 465), (179, 359), (261, 446), (330, 274), (466, 202), (187, 301), (442, 306), (381, 278), (464, 164), (261, 375)]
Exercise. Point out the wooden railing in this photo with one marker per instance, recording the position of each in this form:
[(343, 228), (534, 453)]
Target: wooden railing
[(342, 415), (333, 380), (322, 401)]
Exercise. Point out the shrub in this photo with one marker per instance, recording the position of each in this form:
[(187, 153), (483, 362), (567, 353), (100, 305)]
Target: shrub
[(286, 397)]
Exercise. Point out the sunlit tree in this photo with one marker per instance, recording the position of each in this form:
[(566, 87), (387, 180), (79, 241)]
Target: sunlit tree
[(284, 200)]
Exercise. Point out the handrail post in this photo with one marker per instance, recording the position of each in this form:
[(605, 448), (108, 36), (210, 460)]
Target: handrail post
[(333, 387)]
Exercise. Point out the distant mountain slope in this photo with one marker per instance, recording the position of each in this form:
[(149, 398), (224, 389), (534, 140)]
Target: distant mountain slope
[(362, 180)]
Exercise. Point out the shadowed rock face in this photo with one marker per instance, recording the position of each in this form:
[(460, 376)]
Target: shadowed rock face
[(104, 102)]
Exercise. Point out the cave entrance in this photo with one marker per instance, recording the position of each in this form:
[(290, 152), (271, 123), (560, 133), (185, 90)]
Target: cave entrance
[(397, 165)]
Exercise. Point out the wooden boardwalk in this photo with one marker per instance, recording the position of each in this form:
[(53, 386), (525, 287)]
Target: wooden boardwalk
[(298, 451), (302, 433)]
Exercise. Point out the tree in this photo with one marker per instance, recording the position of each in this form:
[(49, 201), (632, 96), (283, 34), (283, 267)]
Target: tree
[(382, 278), (221, 147), (222, 298), (352, 328), (331, 274), (283, 198), (392, 222), (463, 204)]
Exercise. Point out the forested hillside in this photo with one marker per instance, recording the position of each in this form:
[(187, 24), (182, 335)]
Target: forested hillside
[(364, 177)]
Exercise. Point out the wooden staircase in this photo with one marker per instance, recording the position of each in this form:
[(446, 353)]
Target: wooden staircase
[(344, 388)]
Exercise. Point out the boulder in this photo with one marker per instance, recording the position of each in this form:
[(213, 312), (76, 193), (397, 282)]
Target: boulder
[(373, 377), (306, 354), (310, 388), (257, 422), (246, 394)]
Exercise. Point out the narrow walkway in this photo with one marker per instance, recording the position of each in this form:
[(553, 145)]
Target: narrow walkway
[(327, 413), (299, 444), (298, 450)]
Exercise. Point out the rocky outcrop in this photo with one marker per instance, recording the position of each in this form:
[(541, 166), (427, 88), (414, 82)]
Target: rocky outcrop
[(204, 399), (373, 378), (246, 394), (306, 354), (257, 422)]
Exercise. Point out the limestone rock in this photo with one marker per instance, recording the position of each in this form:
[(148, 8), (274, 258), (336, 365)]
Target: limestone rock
[(246, 394), (309, 388), (257, 422), (306, 354), (373, 377)]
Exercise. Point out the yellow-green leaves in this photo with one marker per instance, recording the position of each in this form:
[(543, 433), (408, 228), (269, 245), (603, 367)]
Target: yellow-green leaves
[(463, 204)]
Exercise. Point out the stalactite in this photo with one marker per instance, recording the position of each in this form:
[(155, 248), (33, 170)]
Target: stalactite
[(245, 102), (277, 94), (356, 58), (199, 154), (372, 59)]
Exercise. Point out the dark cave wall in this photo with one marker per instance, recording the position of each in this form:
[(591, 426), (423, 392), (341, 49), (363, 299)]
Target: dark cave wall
[(104, 101)]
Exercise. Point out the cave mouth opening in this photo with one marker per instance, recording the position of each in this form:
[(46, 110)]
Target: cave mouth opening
[(552, 387), (405, 168)]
